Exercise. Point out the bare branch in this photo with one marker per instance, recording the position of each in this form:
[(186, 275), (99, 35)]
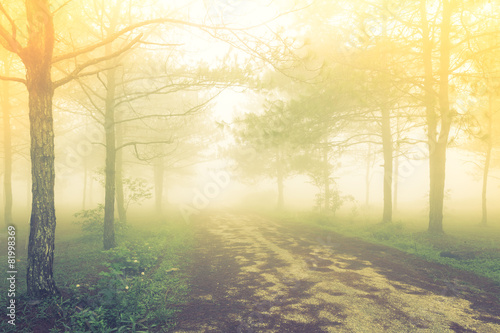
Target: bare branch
[(135, 26), (188, 112), (142, 42), (76, 72), (61, 7), (10, 43), (11, 21), (14, 79), (135, 143), (122, 32)]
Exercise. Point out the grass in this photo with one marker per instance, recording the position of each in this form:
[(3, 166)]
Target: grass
[(135, 287), (465, 245)]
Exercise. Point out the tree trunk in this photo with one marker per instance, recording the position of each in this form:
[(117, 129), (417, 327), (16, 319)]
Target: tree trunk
[(28, 193), (489, 147), (109, 127), (91, 191), (437, 141), (437, 156), (436, 194), (7, 146), (367, 176), (279, 178), (37, 58), (387, 148), (120, 198), (484, 216), (158, 174), (396, 183), (395, 179), (326, 177), (84, 196)]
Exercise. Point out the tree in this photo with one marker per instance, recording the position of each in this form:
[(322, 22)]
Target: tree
[(7, 144), (486, 88), (35, 47), (271, 137), (479, 108), (37, 59)]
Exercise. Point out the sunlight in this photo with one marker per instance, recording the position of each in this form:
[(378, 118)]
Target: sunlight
[(249, 166)]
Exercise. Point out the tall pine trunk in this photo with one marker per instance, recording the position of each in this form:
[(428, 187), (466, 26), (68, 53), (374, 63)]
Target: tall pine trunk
[(120, 197), (437, 155), (7, 148), (279, 179), (110, 140), (395, 178), (484, 208), (84, 194), (158, 174), (368, 175), (437, 140), (388, 150), (110, 176), (37, 58), (487, 162), (396, 183), (326, 176)]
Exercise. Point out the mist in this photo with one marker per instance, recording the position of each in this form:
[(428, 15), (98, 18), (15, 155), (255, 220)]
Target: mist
[(250, 166)]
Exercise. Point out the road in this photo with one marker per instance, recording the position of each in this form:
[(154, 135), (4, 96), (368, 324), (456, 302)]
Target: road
[(254, 274)]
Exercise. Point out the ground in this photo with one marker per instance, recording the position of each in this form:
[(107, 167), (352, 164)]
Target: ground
[(254, 274)]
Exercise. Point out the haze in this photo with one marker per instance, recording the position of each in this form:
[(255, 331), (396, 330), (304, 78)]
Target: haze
[(277, 166)]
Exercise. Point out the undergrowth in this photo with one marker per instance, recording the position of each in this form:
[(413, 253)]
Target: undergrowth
[(134, 287)]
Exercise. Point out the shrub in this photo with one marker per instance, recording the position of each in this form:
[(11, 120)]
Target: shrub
[(92, 221)]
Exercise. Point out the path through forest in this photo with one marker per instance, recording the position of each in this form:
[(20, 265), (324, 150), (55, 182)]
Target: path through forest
[(252, 274)]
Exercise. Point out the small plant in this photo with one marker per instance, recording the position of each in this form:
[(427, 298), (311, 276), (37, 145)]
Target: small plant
[(92, 221), (389, 231), (136, 191), (133, 257), (130, 288), (335, 202)]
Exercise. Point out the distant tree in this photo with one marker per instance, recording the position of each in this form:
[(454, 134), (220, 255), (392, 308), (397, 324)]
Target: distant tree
[(266, 144), (479, 107)]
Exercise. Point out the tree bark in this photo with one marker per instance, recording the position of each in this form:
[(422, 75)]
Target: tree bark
[(84, 195), (395, 179), (326, 177), (388, 150), (396, 183), (120, 197), (437, 156), (279, 179), (7, 146), (368, 176), (158, 174), (437, 141), (109, 127), (37, 58), (489, 147), (484, 208)]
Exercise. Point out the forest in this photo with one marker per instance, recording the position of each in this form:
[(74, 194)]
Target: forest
[(250, 166)]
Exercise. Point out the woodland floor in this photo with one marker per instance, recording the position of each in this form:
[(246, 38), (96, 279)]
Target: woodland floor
[(252, 274)]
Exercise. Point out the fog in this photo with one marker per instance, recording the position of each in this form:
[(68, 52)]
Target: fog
[(289, 164)]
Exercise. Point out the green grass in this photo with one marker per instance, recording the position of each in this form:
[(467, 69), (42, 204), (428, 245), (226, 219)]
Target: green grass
[(134, 287), (477, 247)]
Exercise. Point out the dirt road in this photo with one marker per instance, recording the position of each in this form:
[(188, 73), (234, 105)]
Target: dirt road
[(252, 274)]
